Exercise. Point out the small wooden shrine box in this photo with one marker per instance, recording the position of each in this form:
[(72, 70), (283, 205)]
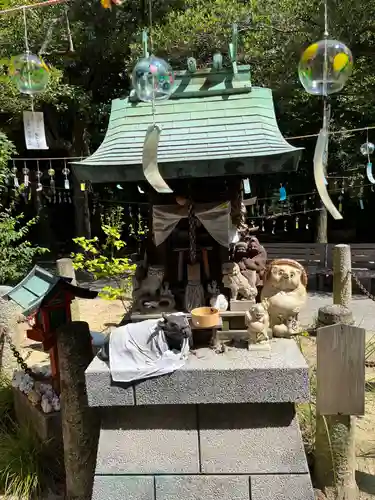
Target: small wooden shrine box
[(46, 299)]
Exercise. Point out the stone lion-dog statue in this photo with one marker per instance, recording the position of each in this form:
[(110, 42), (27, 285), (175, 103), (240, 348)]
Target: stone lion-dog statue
[(238, 285)]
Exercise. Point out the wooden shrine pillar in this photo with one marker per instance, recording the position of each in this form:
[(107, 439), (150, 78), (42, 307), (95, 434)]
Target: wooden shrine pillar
[(81, 209)]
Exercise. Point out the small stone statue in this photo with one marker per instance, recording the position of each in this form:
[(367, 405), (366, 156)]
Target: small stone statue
[(251, 257), (285, 292), (217, 300), (257, 321), (237, 283), (152, 283), (167, 301), (148, 286)]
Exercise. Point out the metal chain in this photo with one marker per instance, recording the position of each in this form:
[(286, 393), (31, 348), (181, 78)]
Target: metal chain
[(361, 287), (192, 235), (368, 363), (17, 355)]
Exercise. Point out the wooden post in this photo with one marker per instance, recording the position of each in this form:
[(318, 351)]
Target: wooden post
[(340, 395), (82, 209), (342, 278), (65, 269), (80, 425)]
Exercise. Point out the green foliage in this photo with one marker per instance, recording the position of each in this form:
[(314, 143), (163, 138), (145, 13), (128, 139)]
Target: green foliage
[(106, 260), (138, 230), (16, 252), (6, 403), (24, 470), (22, 462)]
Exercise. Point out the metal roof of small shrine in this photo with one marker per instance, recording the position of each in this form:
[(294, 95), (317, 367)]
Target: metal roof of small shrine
[(214, 124), (38, 286)]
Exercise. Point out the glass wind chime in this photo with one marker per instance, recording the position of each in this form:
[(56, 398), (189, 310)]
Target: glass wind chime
[(367, 150), (56, 194), (324, 68), (153, 80), (30, 75), (267, 216)]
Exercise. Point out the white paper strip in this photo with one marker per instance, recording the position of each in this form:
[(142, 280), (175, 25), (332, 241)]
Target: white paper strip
[(321, 146), (370, 176), (150, 160), (35, 136)]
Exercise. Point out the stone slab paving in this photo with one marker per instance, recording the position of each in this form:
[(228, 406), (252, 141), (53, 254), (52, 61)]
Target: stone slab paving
[(362, 307)]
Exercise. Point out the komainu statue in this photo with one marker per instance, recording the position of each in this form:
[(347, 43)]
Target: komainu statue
[(237, 283), (284, 292), (251, 257)]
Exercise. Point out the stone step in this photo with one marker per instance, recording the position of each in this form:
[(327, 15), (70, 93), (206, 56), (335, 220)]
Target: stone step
[(202, 451), (135, 317)]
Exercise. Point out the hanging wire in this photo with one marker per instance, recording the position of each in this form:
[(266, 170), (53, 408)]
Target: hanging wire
[(153, 109), (68, 30), (26, 37), (326, 110), (33, 6), (27, 50)]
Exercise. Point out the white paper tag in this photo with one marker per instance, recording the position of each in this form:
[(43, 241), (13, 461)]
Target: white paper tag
[(35, 136), (246, 186)]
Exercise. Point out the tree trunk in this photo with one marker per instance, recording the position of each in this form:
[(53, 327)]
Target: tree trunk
[(335, 460), (322, 226)]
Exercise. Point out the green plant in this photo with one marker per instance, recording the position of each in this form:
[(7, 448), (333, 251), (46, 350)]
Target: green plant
[(6, 403), (16, 252), (106, 260), (140, 232), (22, 462)]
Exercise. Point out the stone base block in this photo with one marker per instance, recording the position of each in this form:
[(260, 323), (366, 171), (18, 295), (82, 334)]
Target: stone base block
[(283, 487), (237, 376), (123, 488), (208, 439), (47, 427), (204, 487), (149, 440), (250, 439), (241, 305)]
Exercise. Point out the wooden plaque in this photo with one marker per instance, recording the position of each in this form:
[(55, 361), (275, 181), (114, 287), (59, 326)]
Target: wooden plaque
[(341, 370)]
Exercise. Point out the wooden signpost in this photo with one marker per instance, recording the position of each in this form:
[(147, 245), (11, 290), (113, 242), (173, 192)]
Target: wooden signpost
[(341, 370), (340, 398)]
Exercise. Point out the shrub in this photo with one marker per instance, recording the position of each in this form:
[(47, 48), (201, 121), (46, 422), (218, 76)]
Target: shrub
[(106, 260)]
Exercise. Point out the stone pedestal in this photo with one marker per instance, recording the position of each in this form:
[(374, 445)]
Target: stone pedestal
[(224, 426)]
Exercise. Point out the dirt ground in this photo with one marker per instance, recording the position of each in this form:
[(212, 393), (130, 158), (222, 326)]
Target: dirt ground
[(102, 315)]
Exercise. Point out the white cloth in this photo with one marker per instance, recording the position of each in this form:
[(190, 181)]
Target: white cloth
[(135, 353), (215, 218)]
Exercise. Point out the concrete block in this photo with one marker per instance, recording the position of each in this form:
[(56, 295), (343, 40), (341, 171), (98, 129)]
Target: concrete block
[(241, 305), (148, 440), (250, 439), (237, 323), (237, 376), (102, 391), (284, 487), (123, 488), (202, 488), (46, 425)]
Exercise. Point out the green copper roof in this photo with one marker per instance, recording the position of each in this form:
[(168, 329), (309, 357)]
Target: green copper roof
[(38, 286), (207, 130)]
